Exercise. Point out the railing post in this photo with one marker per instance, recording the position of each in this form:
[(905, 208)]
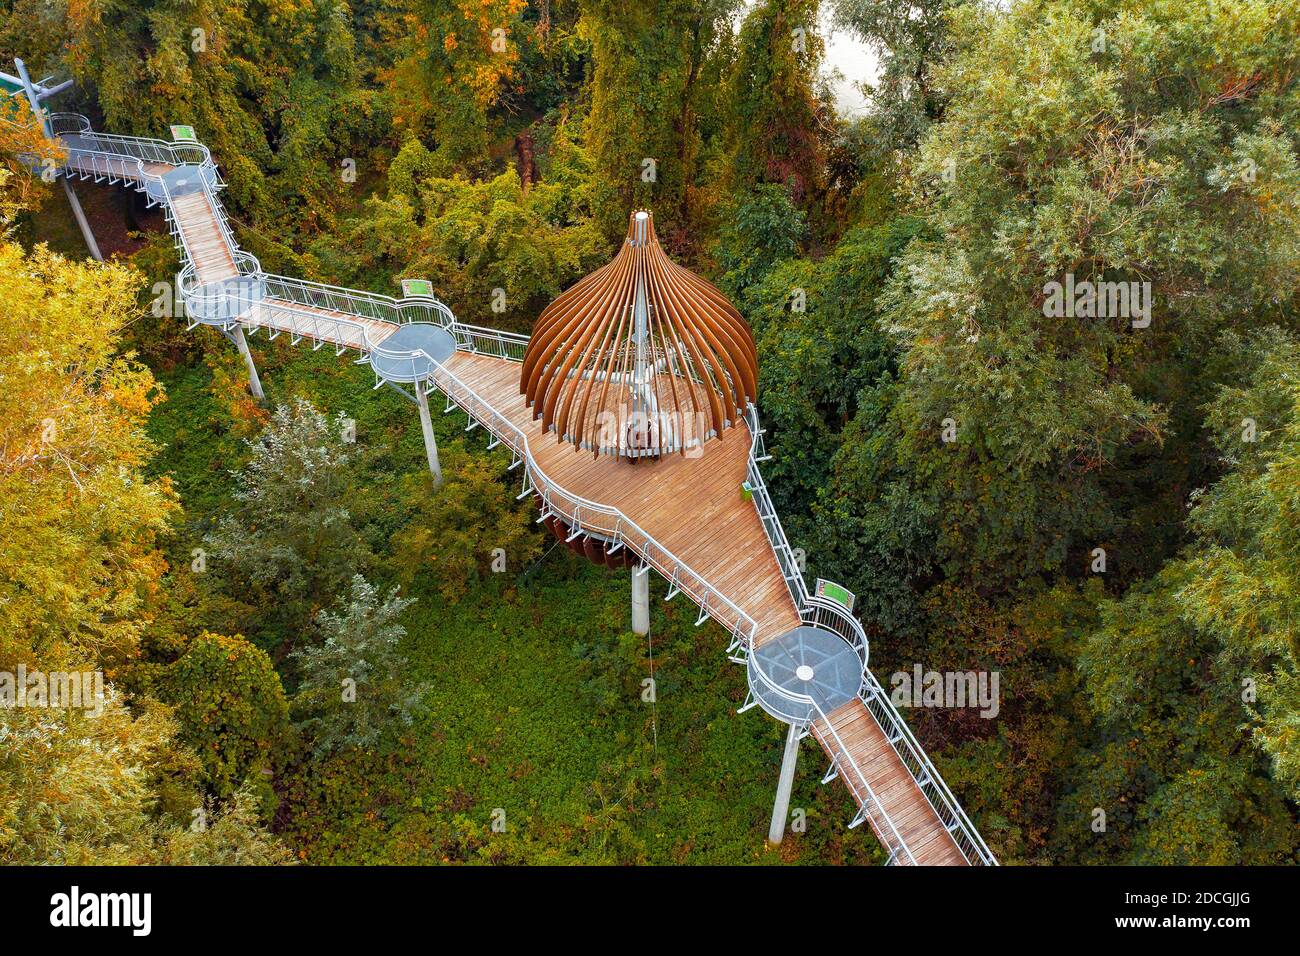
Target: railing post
[(426, 426), (781, 808)]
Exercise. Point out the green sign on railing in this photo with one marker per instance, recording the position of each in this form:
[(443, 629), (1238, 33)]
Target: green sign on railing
[(835, 592), (183, 134), (412, 287)]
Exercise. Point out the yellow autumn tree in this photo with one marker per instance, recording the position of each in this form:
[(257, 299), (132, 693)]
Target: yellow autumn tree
[(80, 572), (78, 557), (22, 146)]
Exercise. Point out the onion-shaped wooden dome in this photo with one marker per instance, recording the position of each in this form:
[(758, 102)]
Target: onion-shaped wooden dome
[(641, 357)]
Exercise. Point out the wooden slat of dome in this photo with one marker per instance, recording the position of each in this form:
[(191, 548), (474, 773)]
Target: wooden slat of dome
[(695, 370)]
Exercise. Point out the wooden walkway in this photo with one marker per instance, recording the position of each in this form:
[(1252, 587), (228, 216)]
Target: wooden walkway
[(898, 795), (693, 506), (197, 220), (337, 328)]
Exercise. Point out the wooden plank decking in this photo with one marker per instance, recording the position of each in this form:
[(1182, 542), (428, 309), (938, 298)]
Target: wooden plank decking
[(197, 220), (898, 794), (692, 506)]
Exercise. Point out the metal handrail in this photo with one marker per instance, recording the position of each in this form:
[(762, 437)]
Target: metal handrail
[(370, 305), (144, 148), (771, 521), (143, 178), (61, 123), (484, 341), (826, 614), (945, 805)]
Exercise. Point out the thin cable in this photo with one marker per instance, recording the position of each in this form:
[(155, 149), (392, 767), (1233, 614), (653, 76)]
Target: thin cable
[(654, 687)]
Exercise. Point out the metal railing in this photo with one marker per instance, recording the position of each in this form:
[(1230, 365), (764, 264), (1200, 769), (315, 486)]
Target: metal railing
[(367, 305), (483, 341), (135, 147), (909, 750), (785, 556), (827, 614), (61, 123), (90, 156)]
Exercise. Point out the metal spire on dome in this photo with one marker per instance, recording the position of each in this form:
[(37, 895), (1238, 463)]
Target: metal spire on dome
[(641, 357)]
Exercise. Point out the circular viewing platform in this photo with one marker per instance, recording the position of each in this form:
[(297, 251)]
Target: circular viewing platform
[(223, 302), (807, 662), (181, 181), (392, 360)]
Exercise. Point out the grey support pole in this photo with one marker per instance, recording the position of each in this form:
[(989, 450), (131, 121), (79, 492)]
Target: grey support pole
[(781, 809), (77, 212), (641, 599), (426, 426), (254, 381), (82, 221)]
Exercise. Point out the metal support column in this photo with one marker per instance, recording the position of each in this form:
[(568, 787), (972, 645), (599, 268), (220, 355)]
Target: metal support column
[(781, 809), (426, 426), (254, 381), (82, 221), (641, 599), (77, 212)]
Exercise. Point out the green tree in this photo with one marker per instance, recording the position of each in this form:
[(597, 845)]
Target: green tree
[(354, 676), (460, 58), (82, 789), (291, 544), (1192, 676), (500, 253), (774, 117), (913, 38), (656, 75), (465, 531), (231, 709), (1111, 166), (761, 229)]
